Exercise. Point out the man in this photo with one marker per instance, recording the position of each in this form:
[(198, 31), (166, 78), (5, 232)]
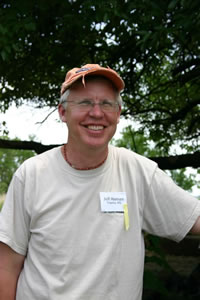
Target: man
[(71, 226)]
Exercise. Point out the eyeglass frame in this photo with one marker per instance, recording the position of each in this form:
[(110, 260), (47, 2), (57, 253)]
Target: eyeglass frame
[(64, 99), (88, 105)]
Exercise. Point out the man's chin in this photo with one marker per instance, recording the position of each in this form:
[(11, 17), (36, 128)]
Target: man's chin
[(96, 143)]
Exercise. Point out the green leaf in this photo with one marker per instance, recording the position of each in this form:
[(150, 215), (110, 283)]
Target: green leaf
[(30, 26), (4, 55), (173, 4)]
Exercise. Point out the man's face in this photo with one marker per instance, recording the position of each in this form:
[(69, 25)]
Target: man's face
[(93, 128)]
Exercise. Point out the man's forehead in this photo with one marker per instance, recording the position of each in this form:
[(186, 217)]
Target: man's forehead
[(93, 89)]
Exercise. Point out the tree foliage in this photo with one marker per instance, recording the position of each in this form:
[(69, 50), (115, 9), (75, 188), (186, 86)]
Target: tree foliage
[(154, 45), (10, 160)]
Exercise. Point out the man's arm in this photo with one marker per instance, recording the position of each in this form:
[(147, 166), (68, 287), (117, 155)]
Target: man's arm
[(11, 264), (196, 227)]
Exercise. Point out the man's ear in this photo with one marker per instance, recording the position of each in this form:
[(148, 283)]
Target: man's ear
[(62, 113), (119, 112)]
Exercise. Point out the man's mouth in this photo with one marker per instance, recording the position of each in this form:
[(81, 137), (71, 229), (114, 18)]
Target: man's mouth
[(95, 127)]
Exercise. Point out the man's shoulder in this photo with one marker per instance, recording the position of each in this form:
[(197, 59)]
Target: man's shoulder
[(125, 154), (39, 161), (46, 155)]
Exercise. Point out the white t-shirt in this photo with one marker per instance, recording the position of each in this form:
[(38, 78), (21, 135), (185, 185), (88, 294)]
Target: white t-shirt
[(75, 251)]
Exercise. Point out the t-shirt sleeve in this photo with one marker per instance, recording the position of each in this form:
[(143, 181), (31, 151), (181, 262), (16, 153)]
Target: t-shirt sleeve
[(169, 211), (14, 219)]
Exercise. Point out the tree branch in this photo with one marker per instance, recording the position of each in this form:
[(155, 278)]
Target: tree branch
[(178, 161), (185, 65), (169, 163), (25, 145)]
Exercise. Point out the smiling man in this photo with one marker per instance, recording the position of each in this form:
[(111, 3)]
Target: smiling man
[(91, 112), (71, 226)]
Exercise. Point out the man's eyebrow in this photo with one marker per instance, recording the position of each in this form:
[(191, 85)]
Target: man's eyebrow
[(90, 99), (83, 99)]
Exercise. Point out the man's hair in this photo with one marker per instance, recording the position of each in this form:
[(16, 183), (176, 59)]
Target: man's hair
[(64, 97)]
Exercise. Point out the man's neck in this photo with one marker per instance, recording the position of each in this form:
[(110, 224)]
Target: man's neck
[(92, 158)]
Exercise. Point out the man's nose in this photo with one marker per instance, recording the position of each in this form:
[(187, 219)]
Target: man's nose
[(96, 110)]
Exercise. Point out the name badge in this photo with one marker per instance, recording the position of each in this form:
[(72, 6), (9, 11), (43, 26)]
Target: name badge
[(112, 201)]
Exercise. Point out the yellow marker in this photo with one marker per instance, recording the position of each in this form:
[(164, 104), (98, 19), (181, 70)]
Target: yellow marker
[(126, 216)]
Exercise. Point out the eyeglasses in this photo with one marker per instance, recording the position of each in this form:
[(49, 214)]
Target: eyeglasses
[(87, 105)]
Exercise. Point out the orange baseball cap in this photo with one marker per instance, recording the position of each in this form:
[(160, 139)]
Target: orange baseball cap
[(91, 69)]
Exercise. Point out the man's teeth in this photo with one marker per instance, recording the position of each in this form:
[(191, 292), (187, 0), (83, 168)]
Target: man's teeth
[(95, 127)]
